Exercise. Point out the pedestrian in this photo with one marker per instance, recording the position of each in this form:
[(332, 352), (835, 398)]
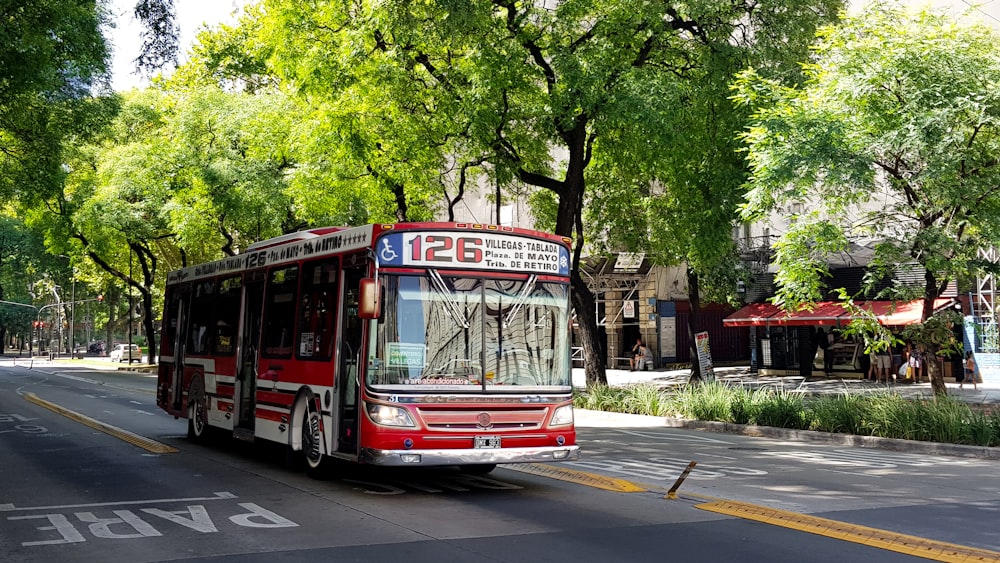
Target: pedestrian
[(883, 358), (970, 371), (914, 362), (828, 352), (644, 358), (633, 357), (872, 373)]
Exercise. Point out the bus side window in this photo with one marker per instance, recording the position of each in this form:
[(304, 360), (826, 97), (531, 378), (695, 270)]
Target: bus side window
[(316, 337), (202, 311), (279, 312), (227, 314)]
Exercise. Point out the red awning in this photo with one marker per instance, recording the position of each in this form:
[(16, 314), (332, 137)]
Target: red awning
[(890, 313), (754, 314), (830, 313), (823, 313)]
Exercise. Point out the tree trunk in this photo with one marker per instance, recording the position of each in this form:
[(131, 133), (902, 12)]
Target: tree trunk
[(934, 371), (930, 351), (586, 318), (147, 323), (694, 300)]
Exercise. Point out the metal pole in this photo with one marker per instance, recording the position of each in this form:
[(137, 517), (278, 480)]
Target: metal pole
[(130, 306), (72, 319)]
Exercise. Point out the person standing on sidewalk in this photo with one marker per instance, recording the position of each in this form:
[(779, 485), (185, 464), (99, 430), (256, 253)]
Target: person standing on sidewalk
[(970, 371), (828, 352), (883, 362), (915, 361)]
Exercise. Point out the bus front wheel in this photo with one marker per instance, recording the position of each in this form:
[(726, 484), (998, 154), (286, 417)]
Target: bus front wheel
[(311, 445)]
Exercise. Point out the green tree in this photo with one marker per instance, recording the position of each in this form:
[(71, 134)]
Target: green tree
[(20, 251), (670, 185), (51, 54), (530, 93), (894, 136)]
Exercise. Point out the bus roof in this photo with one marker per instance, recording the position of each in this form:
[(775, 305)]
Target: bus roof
[(333, 240)]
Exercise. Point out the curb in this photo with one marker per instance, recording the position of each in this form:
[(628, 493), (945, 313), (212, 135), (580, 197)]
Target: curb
[(606, 419)]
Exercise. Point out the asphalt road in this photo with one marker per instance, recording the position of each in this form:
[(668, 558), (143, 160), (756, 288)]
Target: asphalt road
[(73, 493)]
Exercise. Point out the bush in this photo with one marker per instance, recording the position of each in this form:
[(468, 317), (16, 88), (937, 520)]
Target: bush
[(708, 401), (783, 410), (882, 414), (845, 414), (648, 399)]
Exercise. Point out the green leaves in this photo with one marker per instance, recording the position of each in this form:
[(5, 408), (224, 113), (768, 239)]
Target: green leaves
[(893, 137)]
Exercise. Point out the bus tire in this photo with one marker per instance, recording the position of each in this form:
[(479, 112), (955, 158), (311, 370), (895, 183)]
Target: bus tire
[(198, 428), (312, 450), (477, 469)]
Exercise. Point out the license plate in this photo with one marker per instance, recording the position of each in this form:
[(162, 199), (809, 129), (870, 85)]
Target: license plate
[(487, 441)]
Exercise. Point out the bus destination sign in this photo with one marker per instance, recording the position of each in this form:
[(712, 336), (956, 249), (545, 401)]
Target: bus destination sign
[(473, 250)]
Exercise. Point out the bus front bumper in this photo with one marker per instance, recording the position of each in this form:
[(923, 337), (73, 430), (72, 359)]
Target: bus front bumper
[(479, 456)]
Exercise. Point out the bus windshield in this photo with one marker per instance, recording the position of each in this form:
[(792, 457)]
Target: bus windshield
[(470, 334)]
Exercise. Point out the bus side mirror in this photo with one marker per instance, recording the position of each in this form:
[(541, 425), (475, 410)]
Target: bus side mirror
[(368, 299)]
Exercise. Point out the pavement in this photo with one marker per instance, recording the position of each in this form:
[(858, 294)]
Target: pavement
[(849, 383), (986, 394)]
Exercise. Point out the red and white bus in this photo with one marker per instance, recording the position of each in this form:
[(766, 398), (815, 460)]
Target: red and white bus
[(415, 344)]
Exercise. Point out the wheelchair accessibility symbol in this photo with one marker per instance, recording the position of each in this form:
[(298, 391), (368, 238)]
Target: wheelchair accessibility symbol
[(387, 254)]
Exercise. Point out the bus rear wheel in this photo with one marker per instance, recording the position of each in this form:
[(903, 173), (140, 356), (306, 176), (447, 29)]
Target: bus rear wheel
[(197, 414), (478, 469)]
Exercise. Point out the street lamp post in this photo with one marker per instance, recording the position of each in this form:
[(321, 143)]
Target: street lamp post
[(130, 305), (72, 317)]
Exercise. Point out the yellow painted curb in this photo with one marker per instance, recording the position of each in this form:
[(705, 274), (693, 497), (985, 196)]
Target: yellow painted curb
[(147, 444), (580, 477), (874, 537)]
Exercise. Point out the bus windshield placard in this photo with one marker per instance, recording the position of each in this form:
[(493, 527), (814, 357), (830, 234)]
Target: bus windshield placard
[(473, 250)]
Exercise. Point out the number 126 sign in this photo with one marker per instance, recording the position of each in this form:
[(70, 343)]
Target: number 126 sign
[(487, 251)]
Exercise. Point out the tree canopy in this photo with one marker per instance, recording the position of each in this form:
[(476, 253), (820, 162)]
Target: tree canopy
[(894, 137), (557, 96)]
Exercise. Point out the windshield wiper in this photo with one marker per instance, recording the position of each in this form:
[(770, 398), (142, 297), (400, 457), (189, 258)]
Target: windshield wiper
[(519, 301), (452, 304)]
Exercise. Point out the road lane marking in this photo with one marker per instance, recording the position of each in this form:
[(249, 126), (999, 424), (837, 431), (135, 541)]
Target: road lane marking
[(579, 477), (873, 537), (143, 442), (222, 495)]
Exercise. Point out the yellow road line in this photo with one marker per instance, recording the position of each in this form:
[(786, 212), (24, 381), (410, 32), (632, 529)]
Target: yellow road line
[(580, 477), (147, 444), (874, 537)]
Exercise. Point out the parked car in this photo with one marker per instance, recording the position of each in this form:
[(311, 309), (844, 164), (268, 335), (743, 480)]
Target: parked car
[(123, 352)]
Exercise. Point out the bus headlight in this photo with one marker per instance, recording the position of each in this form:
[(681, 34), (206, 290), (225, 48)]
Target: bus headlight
[(389, 416), (562, 416)]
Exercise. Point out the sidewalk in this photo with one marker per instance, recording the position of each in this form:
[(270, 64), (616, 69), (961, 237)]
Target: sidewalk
[(740, 375)]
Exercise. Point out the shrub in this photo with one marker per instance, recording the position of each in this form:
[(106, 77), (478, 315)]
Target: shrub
[(648, 399), (708, 401), (885, 414), (783, 410), (845, 413), (602, 398)]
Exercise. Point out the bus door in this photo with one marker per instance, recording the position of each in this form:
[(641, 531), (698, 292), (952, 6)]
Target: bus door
[(179, 304), (350, 360), (249, 351)]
